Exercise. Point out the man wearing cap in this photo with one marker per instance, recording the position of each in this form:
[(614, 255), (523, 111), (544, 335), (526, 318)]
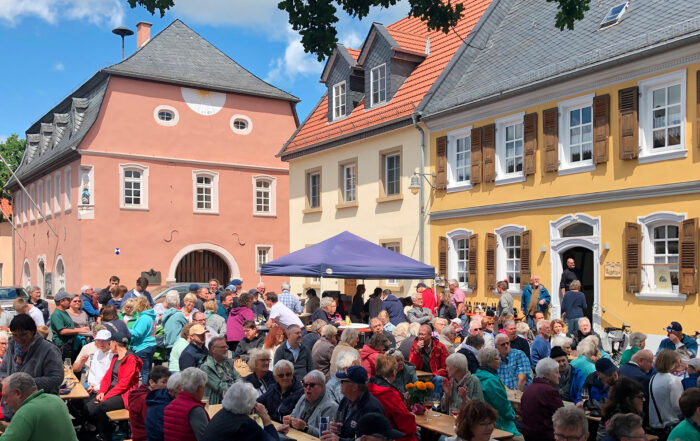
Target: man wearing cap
[(677, 340), (599, 382), (570, 379), (258, 307), (693, 373), (375, 427), (96, 358), (356, 402), (62, 327), (194, 354)]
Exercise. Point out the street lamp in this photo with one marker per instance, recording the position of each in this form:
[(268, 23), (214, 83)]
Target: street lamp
[(414, 185)]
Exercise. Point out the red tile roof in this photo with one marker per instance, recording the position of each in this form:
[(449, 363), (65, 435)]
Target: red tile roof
[(354, 53), (411, 33)]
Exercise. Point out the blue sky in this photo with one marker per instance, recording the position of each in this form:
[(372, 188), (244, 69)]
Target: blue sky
[(50, 47)]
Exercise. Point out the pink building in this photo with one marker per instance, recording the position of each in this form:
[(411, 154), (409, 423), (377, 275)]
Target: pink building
[(165, 161)]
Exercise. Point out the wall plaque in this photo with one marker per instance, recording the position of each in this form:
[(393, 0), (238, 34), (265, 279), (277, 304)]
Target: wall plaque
[(153, 276), (613, 269)]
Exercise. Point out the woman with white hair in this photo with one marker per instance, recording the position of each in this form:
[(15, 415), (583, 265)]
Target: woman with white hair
[(461, 385), (587, 356), (494, 390), (405, 371), (638, 341), (540, 400), (405, 346), (282, 396), (400, 332), (185, 417), (323, 349), (345, 360), (232, 421), (326, 312), (261, 376), (347, 342), (315, 404), (563, 342)]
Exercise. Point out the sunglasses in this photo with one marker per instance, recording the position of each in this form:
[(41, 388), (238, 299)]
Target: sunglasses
[(305, 385)]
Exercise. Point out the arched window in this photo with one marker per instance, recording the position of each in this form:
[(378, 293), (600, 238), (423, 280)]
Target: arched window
[(59, 276), (576, 230), (26, 274), (458, 256), (508, 254), (660, 254)]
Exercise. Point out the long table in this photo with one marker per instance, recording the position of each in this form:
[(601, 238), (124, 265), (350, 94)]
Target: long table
[(445, 425), (212, 409), (78, 391)]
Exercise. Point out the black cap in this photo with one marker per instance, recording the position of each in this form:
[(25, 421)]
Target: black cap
[(375, 423)]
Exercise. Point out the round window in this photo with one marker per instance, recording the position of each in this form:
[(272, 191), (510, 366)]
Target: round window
[(165, 115), (240, 124)]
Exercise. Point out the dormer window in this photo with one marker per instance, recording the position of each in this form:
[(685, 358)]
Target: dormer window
[(339, 100), (378, 84)]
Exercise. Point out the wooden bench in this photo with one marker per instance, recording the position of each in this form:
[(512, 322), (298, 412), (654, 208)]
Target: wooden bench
[(118, 415)]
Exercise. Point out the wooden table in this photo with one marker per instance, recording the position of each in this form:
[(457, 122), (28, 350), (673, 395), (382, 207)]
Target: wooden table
[(445, 425), (297, 435), (424, 374), (242, 368), (212, 409), (78, 392), (118, 415)]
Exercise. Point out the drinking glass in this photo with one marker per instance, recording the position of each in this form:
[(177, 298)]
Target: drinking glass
[(427, 404), (584, 394), (436, 403)]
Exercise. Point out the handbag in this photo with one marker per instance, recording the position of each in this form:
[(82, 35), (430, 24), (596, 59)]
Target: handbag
[(665, 431)]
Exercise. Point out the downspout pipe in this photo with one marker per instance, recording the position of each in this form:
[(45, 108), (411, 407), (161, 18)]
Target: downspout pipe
[(421, 198)]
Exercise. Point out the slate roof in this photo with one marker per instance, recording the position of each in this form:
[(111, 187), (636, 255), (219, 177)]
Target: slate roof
[(519, 48), (179, 55), (316, 131)]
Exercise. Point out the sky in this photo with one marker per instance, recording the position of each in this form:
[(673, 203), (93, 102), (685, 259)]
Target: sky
[(50, 47)]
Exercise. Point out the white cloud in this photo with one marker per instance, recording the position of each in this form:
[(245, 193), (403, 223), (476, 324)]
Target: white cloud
[(52, 11), (352, 40), (59, 66), (3, 138), (294, 63)]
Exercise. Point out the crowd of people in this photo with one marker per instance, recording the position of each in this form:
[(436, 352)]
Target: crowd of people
[(167, 359)]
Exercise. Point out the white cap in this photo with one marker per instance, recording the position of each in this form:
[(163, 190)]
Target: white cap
[(694, 362), (103, 334)]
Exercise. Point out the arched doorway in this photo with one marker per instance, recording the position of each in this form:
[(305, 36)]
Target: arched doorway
[(583, 258), (221, 252), (201, 266)]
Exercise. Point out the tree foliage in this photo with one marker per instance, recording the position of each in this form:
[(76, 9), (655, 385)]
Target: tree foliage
[(315, 20), (12, 150)]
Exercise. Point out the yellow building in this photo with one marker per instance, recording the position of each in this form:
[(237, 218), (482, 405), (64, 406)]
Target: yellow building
[(351, 160), (553, 144)]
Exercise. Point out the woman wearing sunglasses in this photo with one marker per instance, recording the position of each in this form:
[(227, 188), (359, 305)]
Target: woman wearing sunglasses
[(280, 399)]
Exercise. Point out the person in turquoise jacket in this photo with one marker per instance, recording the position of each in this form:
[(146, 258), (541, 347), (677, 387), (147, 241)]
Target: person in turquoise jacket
[(172, 320), (494, 390), (38, 415), (143, 336)]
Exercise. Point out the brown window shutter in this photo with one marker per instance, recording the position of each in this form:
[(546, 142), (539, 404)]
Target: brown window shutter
[(697, 110), (490, 261), (525, 250), (687, 282), (442, 257), (488, 145), (550, 119), (628, 106), (530, 143), (476, 156), (633, 264), (441, 163), (350, 286), (472, 254), (601, 128)]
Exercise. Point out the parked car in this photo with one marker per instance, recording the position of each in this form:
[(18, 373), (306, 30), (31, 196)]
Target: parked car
[(182, 288), (8, 294)]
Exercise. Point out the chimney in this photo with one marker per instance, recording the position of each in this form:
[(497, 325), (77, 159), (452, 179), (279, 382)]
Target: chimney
[(143, 33)]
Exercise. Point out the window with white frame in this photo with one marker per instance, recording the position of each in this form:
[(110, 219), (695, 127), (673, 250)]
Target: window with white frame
[(339, 100), (32, 201), (395, 247), (40, 200), (350, 182), (509, 149), (313, 191), (205, 191), (57, 193), (263, 254), (378, 84), (660, 254), (508, 255), (576, 134), (133, 186), (392, 174), (48, 197), (25, 208), (458, 256), (662, 117), (459, 147), (67, 182), (264, 188), (17, 206)]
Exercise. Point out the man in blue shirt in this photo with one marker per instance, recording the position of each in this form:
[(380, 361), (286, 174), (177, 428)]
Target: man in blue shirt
[(138, 291), (289, 300), (515, 368), (677, 340), (89, 299), (540, 346)]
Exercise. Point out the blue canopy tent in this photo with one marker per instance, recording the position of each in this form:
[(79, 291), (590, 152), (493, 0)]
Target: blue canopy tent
[(347, 256)]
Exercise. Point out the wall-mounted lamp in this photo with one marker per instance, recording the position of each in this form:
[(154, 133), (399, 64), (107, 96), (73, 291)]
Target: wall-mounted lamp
[(414, 185), (543, 249), (606, 246)]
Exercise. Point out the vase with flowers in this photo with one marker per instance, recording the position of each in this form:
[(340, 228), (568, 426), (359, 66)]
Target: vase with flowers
[(418, 394)]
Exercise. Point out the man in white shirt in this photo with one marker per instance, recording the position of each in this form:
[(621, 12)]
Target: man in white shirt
[(22, 307), (96, 358), (279, 314)]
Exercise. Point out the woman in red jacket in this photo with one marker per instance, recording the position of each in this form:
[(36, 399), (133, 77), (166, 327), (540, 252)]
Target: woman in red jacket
[(369, 352), (392, 401), (121, 377)]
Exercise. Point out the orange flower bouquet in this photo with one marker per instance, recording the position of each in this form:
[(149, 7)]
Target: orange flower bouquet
[(418, 392)]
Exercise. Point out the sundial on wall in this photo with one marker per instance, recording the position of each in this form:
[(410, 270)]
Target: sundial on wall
[(204, 102)]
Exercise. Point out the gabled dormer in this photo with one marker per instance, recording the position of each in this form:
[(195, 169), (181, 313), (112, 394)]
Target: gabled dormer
[(388, 57), (344, 81)]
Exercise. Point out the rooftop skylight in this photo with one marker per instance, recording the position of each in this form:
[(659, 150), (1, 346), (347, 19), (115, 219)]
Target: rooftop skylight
[(614, 15)]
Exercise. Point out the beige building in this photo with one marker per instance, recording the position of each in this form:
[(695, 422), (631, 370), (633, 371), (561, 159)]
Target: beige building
[(352, 161)]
